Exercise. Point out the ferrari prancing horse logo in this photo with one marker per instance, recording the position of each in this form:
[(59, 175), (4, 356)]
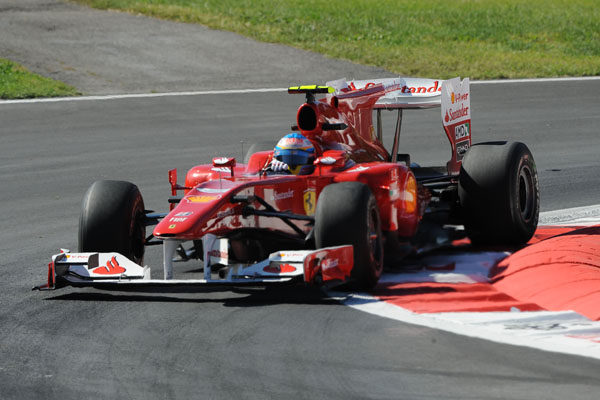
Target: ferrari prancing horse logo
[(310, 201)]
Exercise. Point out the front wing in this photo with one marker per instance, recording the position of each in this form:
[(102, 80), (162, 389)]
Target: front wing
[(329, 266)]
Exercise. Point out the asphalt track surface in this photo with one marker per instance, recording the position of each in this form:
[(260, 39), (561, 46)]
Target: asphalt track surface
[(108, 52), (258, 343), (275, 343)]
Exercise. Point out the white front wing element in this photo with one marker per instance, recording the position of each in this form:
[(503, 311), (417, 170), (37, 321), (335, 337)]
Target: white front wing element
[(83, 267), (114, 269)]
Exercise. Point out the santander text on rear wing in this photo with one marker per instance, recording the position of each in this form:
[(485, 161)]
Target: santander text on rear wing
[(399, 92), (453, 95)]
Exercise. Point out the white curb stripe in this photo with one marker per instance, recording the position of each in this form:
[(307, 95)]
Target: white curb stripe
[(561, 332), (542, 330), (589, 215), (261, 90)]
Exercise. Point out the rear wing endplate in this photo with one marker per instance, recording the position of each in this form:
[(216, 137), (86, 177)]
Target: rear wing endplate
[(456, 120)]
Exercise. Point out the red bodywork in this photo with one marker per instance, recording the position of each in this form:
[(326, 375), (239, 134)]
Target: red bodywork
[(241, 217), (351, 153)]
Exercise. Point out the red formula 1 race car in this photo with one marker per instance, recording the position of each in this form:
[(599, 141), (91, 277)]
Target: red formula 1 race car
[(352, 207)]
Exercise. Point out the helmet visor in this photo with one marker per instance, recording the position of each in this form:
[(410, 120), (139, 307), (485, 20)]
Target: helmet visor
[(293, 158)]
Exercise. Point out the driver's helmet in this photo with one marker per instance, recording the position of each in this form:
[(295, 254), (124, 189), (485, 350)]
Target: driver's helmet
[(297, 152)]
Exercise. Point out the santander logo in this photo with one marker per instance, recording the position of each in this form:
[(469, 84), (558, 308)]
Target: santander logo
[(112, 267), (451, 115), (434, 88)]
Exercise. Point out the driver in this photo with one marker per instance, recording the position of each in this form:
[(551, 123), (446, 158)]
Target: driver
[(294, 154)]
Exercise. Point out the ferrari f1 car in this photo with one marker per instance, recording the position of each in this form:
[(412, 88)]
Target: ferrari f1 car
[(361, 206)]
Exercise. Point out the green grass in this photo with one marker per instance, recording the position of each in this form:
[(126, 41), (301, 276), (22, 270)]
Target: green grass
[(16, 82), (432, 38)]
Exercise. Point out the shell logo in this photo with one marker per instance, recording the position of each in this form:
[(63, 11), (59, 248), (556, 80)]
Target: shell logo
[(409, 197), (202, 199)]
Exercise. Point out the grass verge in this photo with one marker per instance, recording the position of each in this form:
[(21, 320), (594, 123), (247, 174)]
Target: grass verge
[(482, 39), (16, 82)]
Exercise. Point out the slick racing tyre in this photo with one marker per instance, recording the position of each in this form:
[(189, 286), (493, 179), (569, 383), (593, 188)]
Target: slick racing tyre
[(499, 193), (347, 213), (112, 220)]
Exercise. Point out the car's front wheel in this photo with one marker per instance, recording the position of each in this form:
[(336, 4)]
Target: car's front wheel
[(347, 213), (112, 220)]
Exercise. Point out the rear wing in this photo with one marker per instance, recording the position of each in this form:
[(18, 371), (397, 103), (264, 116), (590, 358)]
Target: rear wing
[(400, 93), (452, 95)]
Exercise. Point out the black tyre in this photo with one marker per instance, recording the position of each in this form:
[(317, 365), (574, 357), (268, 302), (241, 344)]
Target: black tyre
[(347, 213), (256, 147), (499, 193), (112, 219)]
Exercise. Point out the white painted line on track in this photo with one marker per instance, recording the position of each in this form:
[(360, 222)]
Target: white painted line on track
[(534, 329), (141, 95), (537, 80), (588, 215), (260, 90), (564, 332)]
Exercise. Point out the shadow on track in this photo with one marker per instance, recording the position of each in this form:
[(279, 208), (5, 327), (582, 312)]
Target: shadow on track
[(234, 297)]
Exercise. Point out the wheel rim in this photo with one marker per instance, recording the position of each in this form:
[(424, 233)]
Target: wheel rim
[(374, 238), (137, 237), (526, 193)]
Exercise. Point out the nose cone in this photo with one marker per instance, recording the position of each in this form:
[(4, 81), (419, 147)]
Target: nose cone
[(190, 215), (175, 223), (197, 207)]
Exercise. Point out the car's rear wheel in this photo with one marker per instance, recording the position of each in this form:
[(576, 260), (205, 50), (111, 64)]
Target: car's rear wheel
[(499, 193), (347, 213), (112, 220)]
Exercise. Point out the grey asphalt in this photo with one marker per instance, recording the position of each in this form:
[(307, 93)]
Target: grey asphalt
[(285, 342), (102, 52), (276, 343)]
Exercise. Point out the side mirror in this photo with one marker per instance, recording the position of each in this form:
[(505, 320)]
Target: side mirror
[(403, 158), (223, 164)]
